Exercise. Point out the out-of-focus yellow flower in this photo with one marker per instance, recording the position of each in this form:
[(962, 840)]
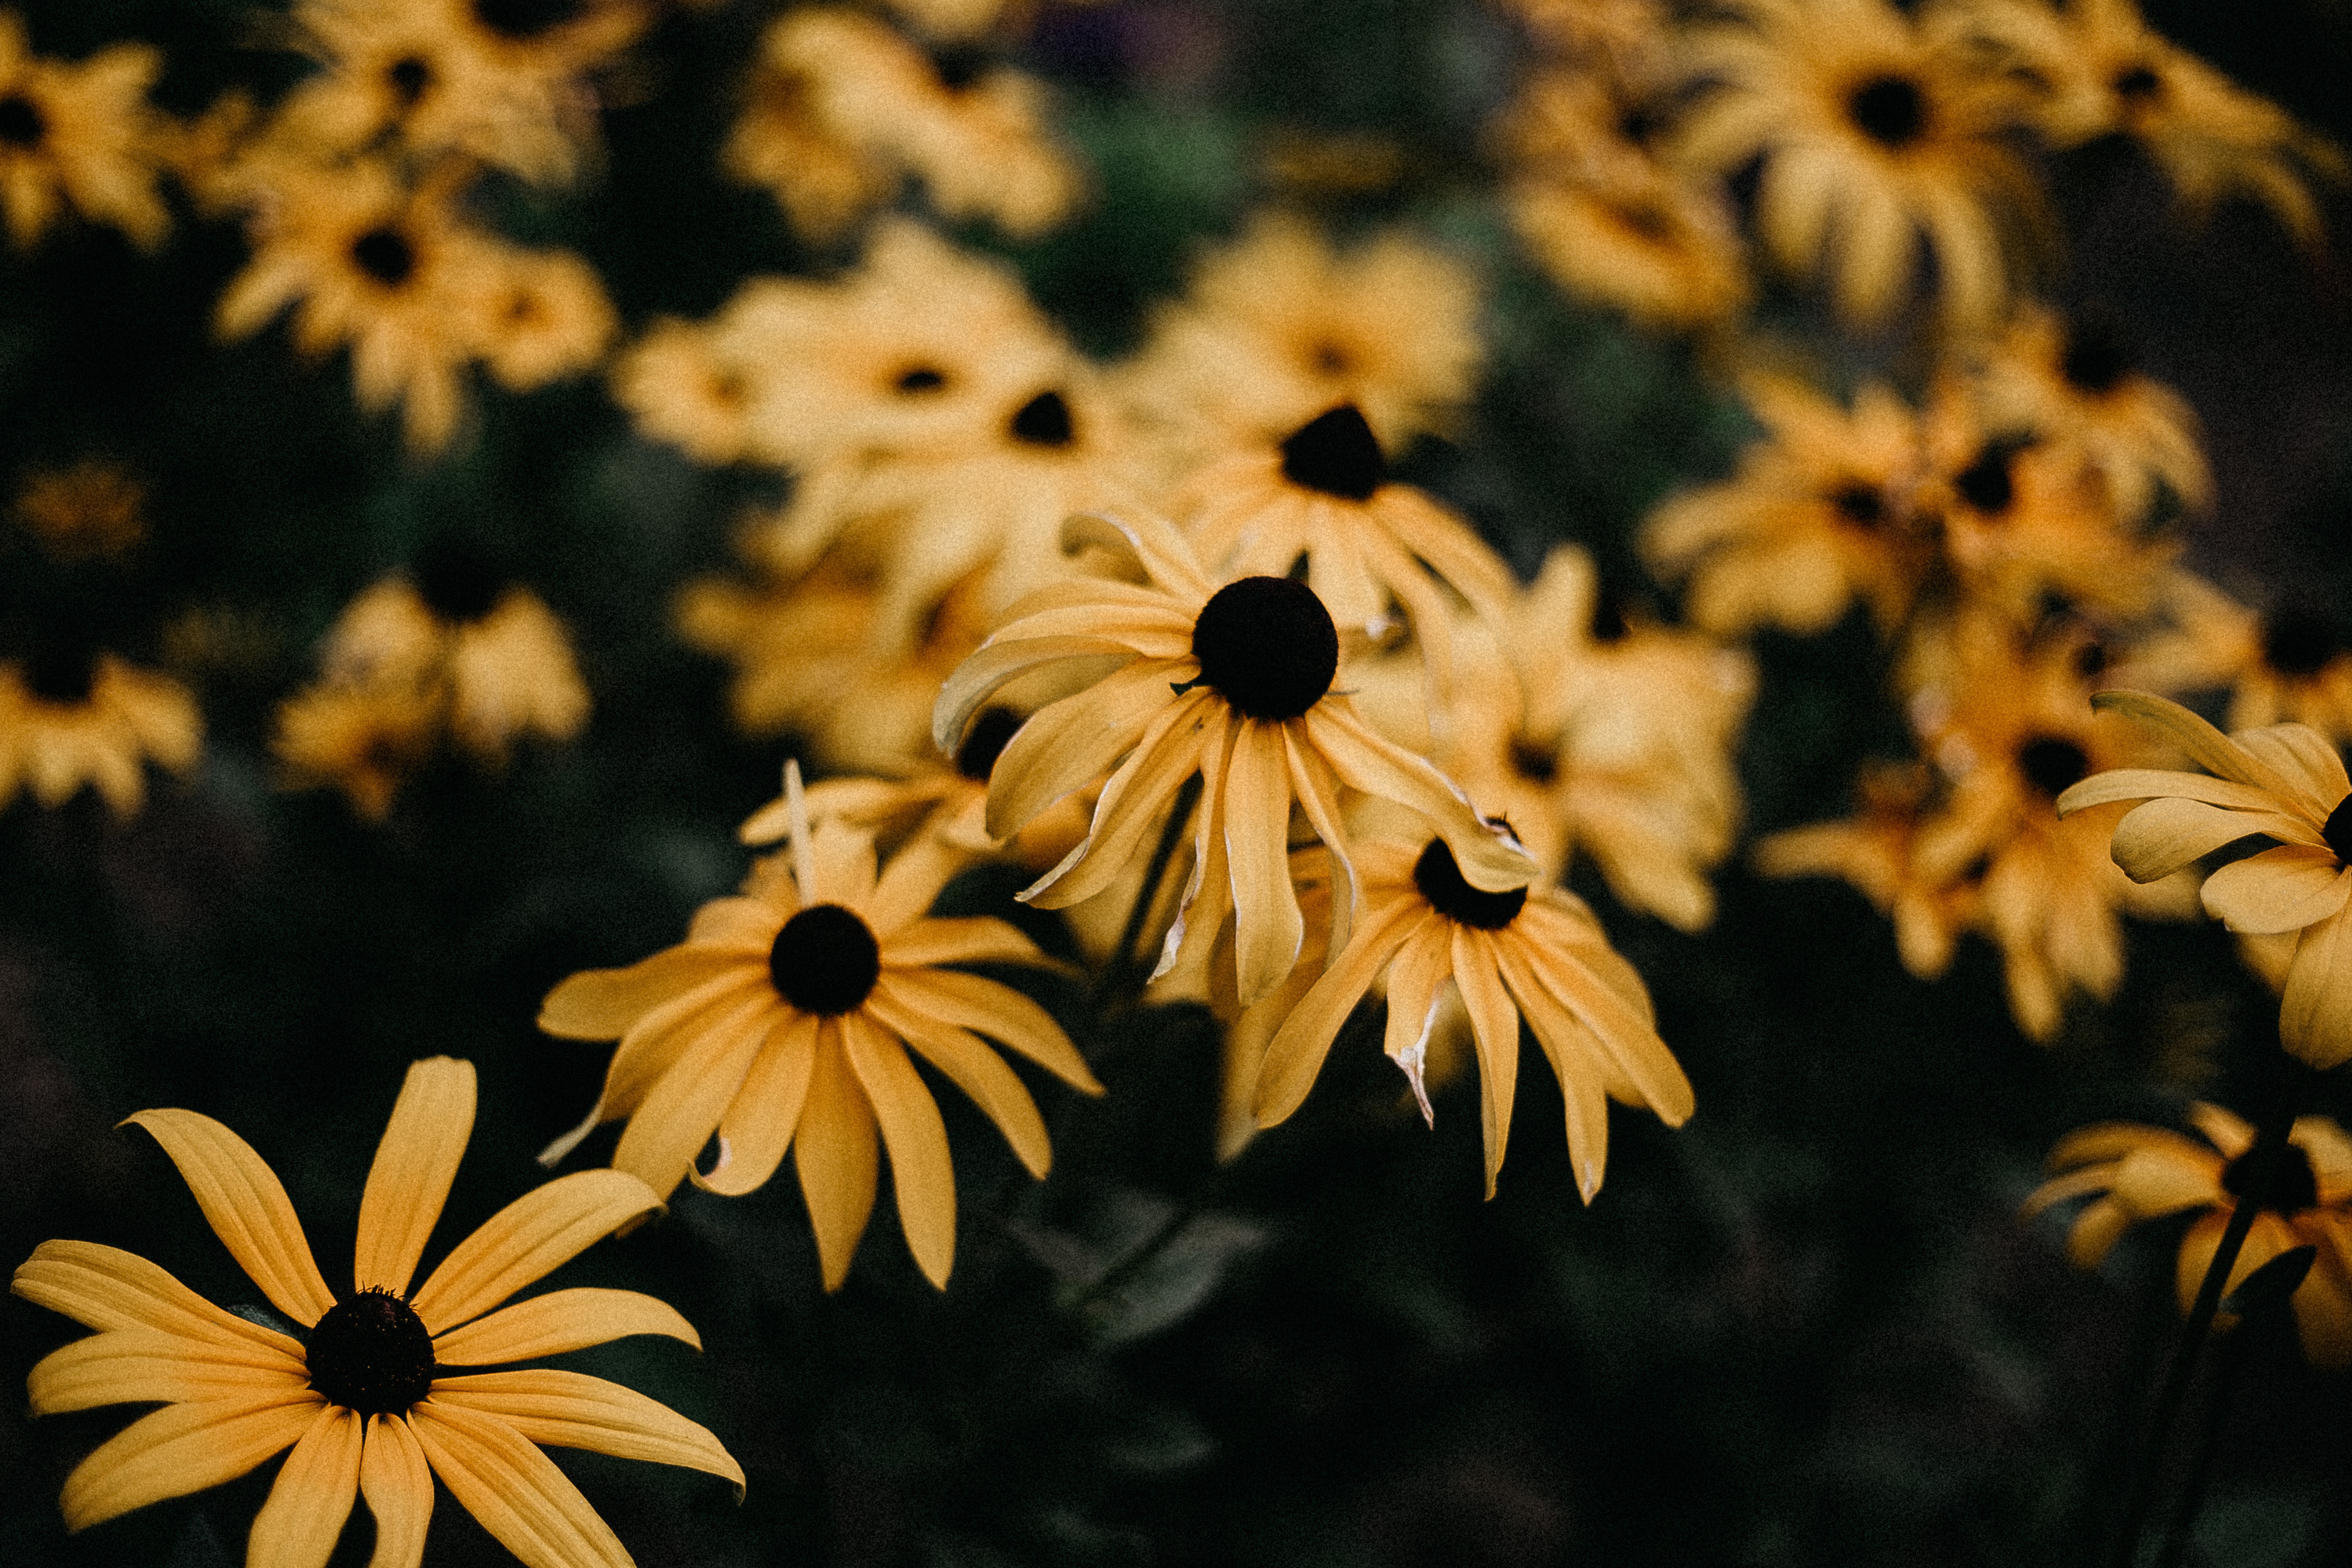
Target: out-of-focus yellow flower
[(2131, 1172), (2284, 782), (784, 1020), (1877, 851), (364, 740), (1535, 952), (93, 509), (1873, 131), (2290, 666), (542, 316), (71, 716), (80, 136), (369, 1398)]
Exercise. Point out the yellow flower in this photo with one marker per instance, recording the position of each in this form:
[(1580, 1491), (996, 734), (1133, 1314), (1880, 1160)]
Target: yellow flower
[(2290, 664), (369, 1396), (71, 716), (1233, 682), (93, 509), (679, 389), (363, 739), (542, 316), (2286, 783), (1872, 130), (2132, 1172), (80, 136), (1877, 850), (783, 1020), (1534, 953), (1629, 39)]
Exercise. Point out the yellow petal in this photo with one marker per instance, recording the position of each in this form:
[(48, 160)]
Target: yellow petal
[(1577, 1060), (2227, 1131), (2316, 1013), (2279, 889), (304, 1515), (1489, 861), (1267, 927), (137, 1366), (558, 1321), (2159, 1179), (1151, 540), (2301, 755), (106, 1288), (1295, 1056), (1130, 809), (515, 1490), (1417, 977), (414, 1167), (667, 1132), (1070, 745), (2095, 1232), (989, 1007), (981, 1073), (1494, 1025), (2206, 746), (1626, 1035), (836, 1153), (912, 881), (246, 1208), (398, 1486), (970, 938), (923, 1175), (538, 1232), (573, 1410), (605, 1004), (1318, 793), (997, 665), (2159, 837), (179, 1449), (654, 1043), (2265, 1239), (758, 1125), (2151, 783)]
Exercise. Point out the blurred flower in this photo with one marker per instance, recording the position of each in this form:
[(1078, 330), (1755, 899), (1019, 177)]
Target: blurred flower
[(1531, 951), (1877, 850), (1232, 682), (1873, 129), (784, 1019), (364, 740), (2132, 1174), (71, 715), (80, 136), (2286, 783), (93, 509), (1629, 39), (2289, 665), (542, 316), (362, 1391)]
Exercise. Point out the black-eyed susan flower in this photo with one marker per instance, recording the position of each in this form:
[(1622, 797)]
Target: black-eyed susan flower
[(784, 1021), (78, 136), (1232, 680), (2291, 664), (369, 1391), (2286, 783), (363, 739), (1879, 851), (2132, 1172), (73, 715), (1534, 953), (95, 508)]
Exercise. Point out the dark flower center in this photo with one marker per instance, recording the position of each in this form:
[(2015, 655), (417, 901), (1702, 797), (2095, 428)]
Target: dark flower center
[(22, 123), (2090, 659), (2338, 831), (916, 379), (1440, 882), (958, 69), (1859, 504), (1044, 420), (371, 1354), (2096, 358), (2299, 643), (1986, 484), (1607, 623), (457, 582), (1267, 646), (1336, 454), (1890, 110), (2293, 1190), (2137, 85), (1533, 760), (2052, 764), (985, 741), (1329, 358), (384, 255), (521, 19), (408, 76), (824, 961), (61, 672)]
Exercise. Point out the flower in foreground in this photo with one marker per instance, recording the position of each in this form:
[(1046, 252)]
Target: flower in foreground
[(2286, 783), (367, 1396), (784, 1021), (2133, 1173), (1533, 953)]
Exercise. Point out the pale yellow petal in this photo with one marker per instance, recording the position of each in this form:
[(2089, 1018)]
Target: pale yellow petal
[(2304, 757), (558, 1321), (837, 1155), (605, 1004), (2203, 744), (1489, 861), (968, 939), (413, 1166), (665, 1133), (2227, 1131), (2155, 784), (1417, 976), (179, 1449), (759, 1126), (2279, 889), (1495, 1026), (298, 1524), (514, 1490), (1295, 1056), (996, 666), (981, 1073), (1267, 927), (1133, 802), (1062, 749), (2315, 1014), (2158, 838), (138, 1366), (539, 1231), (923, 1175), (246, 1208), (573, 1410), (989, 1007), (103, 1287), (398, 1486)]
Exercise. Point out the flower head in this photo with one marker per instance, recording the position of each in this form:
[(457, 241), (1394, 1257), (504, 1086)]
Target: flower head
[(80, 136), (368, 1393), (73, 715)]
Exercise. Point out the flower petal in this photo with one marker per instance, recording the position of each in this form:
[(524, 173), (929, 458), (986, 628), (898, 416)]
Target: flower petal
[(966, 938), (298, 1524), (1489, 861), (179, 1449), (992, 1008), (981, 1073), (1494, 1025), (138, 1366), (2315, 1014), (2158, 838), (515, 1490), (2227, 1131), (605, 1004), (760, 1123), (1318, 793), (1267, 927), (921, 1172), (1070, 744), (1295, 1056), (246, 1208), (996, 666), (413, 1166), (104, 1286), (1417, 977), (1162, 553), (1132, 804), (558, 1321), (398, 1486), (836, 1155), (573, 1410), (1626, 1034), (2155, 783), (2279, 889), (539, 1231), (2302, 757), (2206, 746), (665, 1133)]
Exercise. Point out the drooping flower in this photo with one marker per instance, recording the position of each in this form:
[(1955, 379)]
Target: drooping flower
[(2133, 1173), (784, 1021), (71, 715), (368, 1392), (80, 136)]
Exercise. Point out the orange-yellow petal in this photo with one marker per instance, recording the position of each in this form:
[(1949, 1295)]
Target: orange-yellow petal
[(179, 1449), (413, 1166), (303, 1516), (398, 1486), (246, 1208), (922, 1174), (558, 1321), (137, 1366), (514, 1490), (573, 1410), (103, 1287), (758, 1125), (836, 1155), (538, 1232), (2316, 1013)]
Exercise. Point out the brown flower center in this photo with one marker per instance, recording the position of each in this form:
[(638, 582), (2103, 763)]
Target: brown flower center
[(1336, 454), (371, 1354), (1533, 760), (2096, 357), (1859, 504), (1440, 882), (825, 960), (409, 77), (2297, 643), (2137, 84), (61, 672), (523, 19), (1267, 646), (1890, 110), (22, 123), (1988, 485), (2052, 764), (386, 255), (918, 379), (1044, 420), (458, 583), (2293, 1190)]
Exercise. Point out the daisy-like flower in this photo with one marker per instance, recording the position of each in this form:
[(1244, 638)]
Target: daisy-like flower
[(784, 1020), (74, 715), (2283, 782), (1819, 515), (80, 136), (362, 738), (1629, 39), (2290, 665), (95, 508), (2131, 1172), (1278, 327), (541, 316), (1533, 952), (1872, 130), (1878, 852), (1230, 681), (368, 1395)]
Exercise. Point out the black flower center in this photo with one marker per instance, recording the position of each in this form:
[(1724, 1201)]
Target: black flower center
[(1607, 623), (1859, 504), (458, 583), (408, 76), (1440, 882), (1268, 647), (2293, 1190), (985, 741), (2299, 643), (61, 672), (1986, 484), (521, 19), (2052, 764), (824, 961), (2096, 357), (1044, 420), (2338, 831), (2137, 85), (1330, 358), (22, 123), (1336, 454), (384, 255), (1533, 760), (1890, 110), (918, 379), (371, 1354), (959, 68)]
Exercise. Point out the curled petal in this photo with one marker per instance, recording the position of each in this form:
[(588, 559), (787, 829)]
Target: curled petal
[(2158, 838), (2315, 1014)]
